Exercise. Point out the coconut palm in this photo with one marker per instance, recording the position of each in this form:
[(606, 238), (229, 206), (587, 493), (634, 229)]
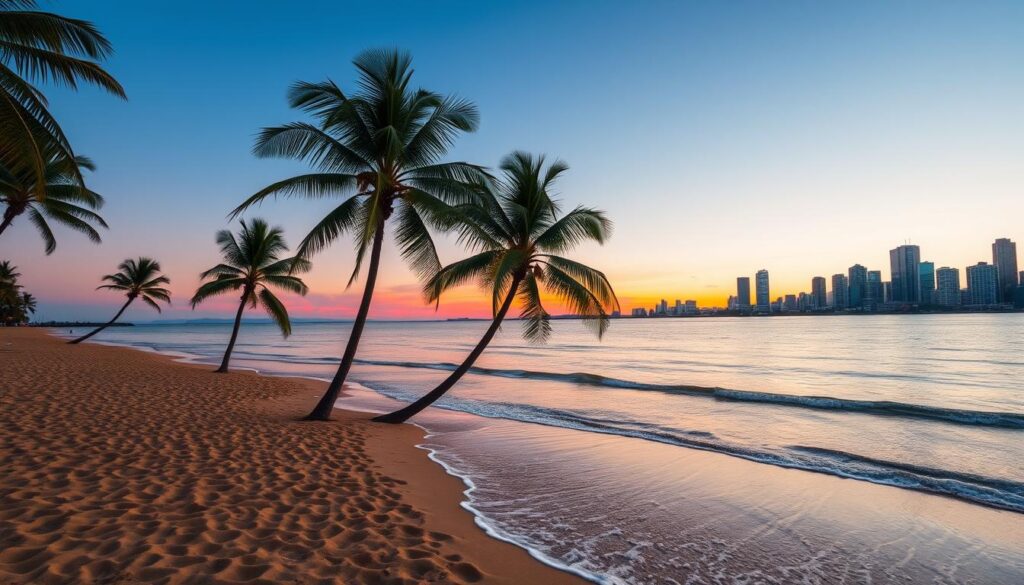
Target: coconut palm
[(66, 200), (252, 264), (517, 228), (8, 274), (138, 279), (37, 46), (378, 150), (10, 291)]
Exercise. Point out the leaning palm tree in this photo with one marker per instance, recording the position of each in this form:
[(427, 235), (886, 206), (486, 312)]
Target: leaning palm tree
[(516, 227), (379, 150), (38, 46), (138, 279), (252, 264), (66, 201)]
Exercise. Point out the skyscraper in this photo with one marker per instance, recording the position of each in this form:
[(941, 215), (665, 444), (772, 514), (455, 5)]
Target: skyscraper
[(819, 298), (858, 286), (840, 292), (743, 292), (876, 292), (763, 299), (1004, 257), (906, 282), (983, 282), (947, 291), (926, 274)]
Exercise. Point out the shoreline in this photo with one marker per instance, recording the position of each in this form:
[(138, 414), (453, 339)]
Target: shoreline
[(422, 501)]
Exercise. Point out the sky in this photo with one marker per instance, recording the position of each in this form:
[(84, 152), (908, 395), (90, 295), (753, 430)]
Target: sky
[(720, 137)]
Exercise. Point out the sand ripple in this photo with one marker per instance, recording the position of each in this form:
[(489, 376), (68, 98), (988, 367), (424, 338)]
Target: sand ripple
[(119, 467)]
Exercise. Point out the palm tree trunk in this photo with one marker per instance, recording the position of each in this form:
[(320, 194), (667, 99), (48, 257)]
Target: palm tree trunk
[(9, 216), (404, 414), (223, 369), (102, 327), (323, 409)]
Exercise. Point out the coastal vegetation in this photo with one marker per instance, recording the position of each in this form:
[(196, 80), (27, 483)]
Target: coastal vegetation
[(252, 263), (65, 201), (39, 46), (516, 226), (379, 150), (16, 305), (137, 279)]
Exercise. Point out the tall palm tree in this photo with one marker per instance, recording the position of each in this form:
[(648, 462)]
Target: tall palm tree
[(38, 46), (517, 228), (8, 273), (67, 201), (252, 264), (378, 150), (138, 279)]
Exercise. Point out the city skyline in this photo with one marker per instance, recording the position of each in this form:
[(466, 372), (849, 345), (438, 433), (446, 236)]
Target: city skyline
[(913, 281)]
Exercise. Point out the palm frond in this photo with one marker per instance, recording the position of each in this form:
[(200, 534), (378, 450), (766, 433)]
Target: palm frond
[(276, 310), (536, 321)]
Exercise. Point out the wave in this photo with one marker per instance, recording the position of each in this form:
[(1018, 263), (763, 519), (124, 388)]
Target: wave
[(978, 489), (1009, 420)]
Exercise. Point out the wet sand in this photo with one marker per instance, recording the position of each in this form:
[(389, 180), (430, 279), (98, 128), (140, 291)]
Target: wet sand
[(121, 466)]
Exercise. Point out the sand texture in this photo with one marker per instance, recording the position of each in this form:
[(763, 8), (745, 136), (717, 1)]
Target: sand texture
[(124, 467)]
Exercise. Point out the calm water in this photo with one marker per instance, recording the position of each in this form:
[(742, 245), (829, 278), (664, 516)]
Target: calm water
[(667, 451)]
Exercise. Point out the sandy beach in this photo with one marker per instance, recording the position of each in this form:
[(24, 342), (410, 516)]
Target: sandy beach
[(122, 466)]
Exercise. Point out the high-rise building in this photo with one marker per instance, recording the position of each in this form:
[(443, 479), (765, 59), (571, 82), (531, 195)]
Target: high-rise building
[(1004, 257), (947, 290), (840, 292), (662, 307), (690, 308), (926, 274), (906, 281), (763, 298), (678, 310), (983, 282), (887, 292), (858, 286), (876, 292), (804, 302), (819, 298), (743, 292)]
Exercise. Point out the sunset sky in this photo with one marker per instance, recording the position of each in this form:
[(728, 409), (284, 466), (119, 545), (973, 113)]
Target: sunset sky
[(720, 137)]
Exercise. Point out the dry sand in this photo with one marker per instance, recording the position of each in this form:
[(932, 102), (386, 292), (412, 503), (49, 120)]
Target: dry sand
[(122, 467)]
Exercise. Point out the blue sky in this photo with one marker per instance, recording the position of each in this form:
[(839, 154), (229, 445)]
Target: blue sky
[(722, 137)]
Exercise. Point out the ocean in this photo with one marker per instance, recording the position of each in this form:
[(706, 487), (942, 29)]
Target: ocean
[(882, 448)]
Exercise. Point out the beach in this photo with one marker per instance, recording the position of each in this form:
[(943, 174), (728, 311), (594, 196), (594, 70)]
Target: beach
[(122, 466)]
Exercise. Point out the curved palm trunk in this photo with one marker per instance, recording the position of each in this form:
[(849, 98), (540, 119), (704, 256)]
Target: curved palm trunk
[(404, 414), (223, 369), (9, 215), (102, 327), (326, 404)]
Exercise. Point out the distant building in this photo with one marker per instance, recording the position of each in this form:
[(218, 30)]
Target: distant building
[(662, 307), (876, 292), (743, 292), (804, 302), (840, 292), (690, 308), (926, 274), (904, 263), (678, 309), (887, 292), (858, 279), (947, 289), (1018, 300), (641, 312), (763, 298), (790, 303), (1004, 257), (819, 297), (983, 282)]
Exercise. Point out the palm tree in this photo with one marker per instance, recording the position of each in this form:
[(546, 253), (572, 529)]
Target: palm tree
[(10, 292), (137, 278), (252, 263), (40, 46), (379, 150), (516, 227), (66, 201), (8, 274)]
